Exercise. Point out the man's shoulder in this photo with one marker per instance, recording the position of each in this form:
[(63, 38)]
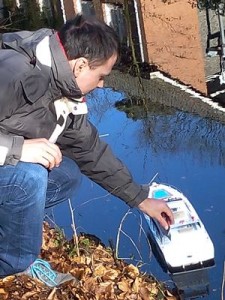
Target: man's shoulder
[(24, 41)]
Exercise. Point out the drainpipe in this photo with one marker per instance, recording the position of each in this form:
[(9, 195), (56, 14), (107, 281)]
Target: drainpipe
[(63, 10), (139, 30), (78, 6), (98, 9), (222, 56)]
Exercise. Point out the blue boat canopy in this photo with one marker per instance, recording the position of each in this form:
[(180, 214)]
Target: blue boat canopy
[(160, 194)]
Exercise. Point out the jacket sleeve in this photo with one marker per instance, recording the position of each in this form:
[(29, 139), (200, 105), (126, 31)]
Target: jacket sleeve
[(11, 97), (96, 160), (10, 149), (10, 145)]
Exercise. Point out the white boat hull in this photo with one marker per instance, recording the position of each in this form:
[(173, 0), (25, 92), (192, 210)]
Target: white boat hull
[(187, 245)]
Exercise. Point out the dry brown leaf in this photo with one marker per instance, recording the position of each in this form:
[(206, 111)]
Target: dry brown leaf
[(101, 276), (28, 295), (121, 296), (99, 270), (146, 294), (132, 271), (79, 259), (2, 291), (123, 286), (8, 279), (133, 297), (169, 296), (110, 275), (89, 284), (136, 285), (52, 295), (106, 288)]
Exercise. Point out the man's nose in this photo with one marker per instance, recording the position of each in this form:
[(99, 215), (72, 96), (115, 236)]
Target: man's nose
[(100, 84)]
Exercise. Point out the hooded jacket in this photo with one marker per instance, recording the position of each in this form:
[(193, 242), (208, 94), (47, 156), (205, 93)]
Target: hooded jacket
[(34, 75)]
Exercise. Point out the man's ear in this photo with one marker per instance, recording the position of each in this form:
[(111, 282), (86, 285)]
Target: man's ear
[(78, 65)]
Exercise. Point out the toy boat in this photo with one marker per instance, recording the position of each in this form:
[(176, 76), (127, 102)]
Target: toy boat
[(186, 246)]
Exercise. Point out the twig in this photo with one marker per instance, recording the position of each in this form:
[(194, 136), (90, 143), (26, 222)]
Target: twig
[(95, 198), (147, 239), (103, 135), (120, 230), (51, 220), (133, 244), (75, 237), (222, 289), (153, 178)]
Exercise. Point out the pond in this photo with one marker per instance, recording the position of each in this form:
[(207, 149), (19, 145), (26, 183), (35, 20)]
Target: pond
[(174, 147)]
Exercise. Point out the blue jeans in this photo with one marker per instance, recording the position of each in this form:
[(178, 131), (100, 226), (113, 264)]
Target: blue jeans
[(25, 191)]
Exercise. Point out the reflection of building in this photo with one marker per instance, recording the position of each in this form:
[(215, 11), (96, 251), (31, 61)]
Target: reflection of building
[(169, 34), (111, 11), (1, 8)]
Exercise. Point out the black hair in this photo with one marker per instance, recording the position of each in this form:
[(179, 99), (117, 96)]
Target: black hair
[(90, 38)]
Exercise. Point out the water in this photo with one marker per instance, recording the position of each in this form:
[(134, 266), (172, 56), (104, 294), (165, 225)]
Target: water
[(178, 148)]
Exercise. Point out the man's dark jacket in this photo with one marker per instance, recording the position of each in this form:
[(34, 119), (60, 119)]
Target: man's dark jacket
[(34, 73)]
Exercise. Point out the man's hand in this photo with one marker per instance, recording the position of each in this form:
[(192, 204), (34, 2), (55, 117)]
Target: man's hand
[(41, 151), (159, 210)]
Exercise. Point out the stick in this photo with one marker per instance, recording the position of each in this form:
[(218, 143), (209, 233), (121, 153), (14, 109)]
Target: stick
[(75, 237)]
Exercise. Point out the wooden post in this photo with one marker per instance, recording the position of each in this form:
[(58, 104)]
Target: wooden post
[(98, 9)]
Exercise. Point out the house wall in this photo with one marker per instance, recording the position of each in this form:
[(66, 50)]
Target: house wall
[(71, 8), (173, 40)]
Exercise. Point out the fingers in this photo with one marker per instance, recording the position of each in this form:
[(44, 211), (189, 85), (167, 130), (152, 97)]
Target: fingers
[(49, 160), (45, 162), (52, 155), (163, 223), (55, 149), (159, 210), (168, 215), (41, 151)]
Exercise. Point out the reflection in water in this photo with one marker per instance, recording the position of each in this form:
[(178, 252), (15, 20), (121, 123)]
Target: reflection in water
[(102, 99), (182, 132), (184, 149), (168, 131), (174, 131)]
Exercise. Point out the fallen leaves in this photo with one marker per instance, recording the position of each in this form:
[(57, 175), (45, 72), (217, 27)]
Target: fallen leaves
[(101, 276)]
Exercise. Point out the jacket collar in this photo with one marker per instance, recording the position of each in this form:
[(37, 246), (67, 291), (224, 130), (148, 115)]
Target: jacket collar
[(63, 75)]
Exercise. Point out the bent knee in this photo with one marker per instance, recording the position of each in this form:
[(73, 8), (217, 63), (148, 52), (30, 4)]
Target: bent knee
[(26, 180), (34, 176)]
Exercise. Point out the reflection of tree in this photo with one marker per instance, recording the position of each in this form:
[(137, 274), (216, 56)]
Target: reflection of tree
[(11, 16), (31, 11), (137, 109), (52, 13), (30, 16), (165, 129), (102, 99), (184, 132)]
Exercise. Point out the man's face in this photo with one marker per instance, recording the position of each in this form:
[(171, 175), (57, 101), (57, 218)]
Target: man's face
[(88, 78)]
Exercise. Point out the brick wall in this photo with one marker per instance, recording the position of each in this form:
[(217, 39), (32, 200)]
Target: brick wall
[(70, 7), (173, 40)]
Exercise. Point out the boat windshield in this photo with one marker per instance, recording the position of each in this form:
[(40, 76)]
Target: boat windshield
[(160, 194)]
